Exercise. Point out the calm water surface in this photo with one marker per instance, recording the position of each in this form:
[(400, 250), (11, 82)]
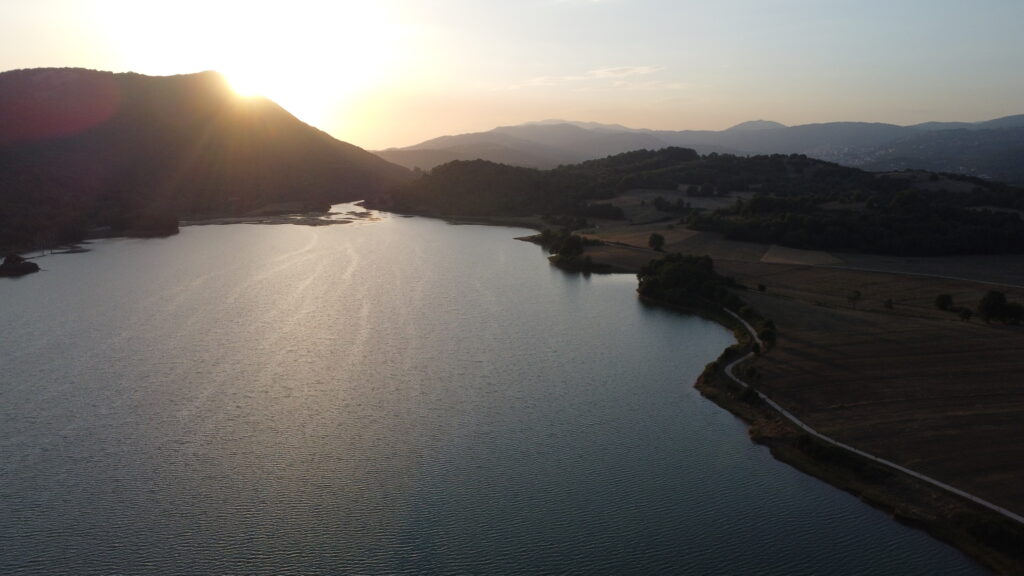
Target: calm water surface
[(396, 397)]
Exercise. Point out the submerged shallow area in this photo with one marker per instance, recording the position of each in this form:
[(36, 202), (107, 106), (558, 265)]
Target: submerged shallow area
[(397, 395)]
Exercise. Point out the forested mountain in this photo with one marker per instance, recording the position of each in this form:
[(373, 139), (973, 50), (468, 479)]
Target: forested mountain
[(483, 188), (790, 200), (81, 149), (989, 149)]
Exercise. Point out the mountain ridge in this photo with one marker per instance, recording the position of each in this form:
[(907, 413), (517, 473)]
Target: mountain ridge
[(81, 149), (997, 151)]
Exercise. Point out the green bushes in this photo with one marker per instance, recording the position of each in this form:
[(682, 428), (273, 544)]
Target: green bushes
[(686, 280)]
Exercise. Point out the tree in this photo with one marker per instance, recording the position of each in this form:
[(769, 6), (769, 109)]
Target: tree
[(656, 241), (992, 305), (570, 248), (944, 302)]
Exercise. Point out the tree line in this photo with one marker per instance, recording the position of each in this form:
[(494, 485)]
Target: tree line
[(790, 200)]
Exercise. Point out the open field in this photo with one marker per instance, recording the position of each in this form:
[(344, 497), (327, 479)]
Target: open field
[(910, 383), (784, 255), (913, 384), (997, 269)]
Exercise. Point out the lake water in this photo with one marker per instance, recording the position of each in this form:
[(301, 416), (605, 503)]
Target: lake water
[(393, 397)]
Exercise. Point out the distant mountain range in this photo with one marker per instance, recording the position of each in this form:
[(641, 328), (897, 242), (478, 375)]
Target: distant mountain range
[(992, 150), (81, 149)]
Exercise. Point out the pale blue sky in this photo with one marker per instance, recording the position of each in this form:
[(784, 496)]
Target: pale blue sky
[(394, 72)]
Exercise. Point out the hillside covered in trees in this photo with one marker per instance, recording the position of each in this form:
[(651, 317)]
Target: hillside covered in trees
[(482, 188), (789, 200), (908, 213), (82, 149)]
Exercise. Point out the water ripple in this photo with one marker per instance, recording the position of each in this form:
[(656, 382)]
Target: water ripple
[(401, 397)]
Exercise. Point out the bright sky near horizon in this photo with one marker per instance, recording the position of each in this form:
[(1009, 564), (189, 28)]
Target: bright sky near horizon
[(396, 72)]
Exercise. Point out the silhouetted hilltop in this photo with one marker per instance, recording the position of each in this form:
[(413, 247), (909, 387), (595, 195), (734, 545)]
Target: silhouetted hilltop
[(992, 151), (755, 125), (1015, 121), (81, 149), (582, 143), (537, 145)]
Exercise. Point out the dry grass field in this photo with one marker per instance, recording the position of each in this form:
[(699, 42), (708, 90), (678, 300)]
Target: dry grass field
[(911, 384), (904, 381)]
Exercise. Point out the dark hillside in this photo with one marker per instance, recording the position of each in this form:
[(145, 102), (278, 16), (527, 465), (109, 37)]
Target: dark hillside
[(790, 200), (992, 154), (481, 188), (81, 149)]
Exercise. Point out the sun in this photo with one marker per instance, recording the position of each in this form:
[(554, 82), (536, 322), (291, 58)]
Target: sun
[(301, 92), (312, 57), (247, 83)]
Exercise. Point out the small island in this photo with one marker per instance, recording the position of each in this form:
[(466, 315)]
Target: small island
[(14, 265)]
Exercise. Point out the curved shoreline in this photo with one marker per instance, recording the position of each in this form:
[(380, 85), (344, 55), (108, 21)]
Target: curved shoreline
[(988, 533), (984, 531), (807, 428)]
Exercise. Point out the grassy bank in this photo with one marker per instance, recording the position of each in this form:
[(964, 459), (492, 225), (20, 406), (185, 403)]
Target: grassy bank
[(993, 540)]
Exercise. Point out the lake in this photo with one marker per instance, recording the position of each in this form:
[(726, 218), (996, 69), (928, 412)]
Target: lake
[(401, 396)]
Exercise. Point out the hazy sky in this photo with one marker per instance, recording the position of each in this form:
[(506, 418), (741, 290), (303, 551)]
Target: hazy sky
[(394, 72)]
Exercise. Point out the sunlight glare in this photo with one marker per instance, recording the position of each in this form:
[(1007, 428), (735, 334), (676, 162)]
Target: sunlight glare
[(246, 84), (309, 56)]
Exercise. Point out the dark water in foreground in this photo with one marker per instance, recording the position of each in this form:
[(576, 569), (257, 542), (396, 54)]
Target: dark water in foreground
[(398, 397)]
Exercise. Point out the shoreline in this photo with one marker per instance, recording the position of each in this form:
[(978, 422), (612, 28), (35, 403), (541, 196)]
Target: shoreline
[(985, 532), (989, 534), (305, 218), (977, 530), (992, 539)]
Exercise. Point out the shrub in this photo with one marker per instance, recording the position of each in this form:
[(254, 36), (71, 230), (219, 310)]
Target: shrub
[(656, 241)]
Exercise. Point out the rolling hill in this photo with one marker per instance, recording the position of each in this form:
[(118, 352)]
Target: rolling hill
[(540, 145), (991, 150), (788, 200), (994, 154)]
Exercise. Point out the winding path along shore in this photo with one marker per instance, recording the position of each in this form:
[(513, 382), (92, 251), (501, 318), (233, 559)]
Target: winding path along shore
[(924, 393), (931, 401), (729, 371)]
